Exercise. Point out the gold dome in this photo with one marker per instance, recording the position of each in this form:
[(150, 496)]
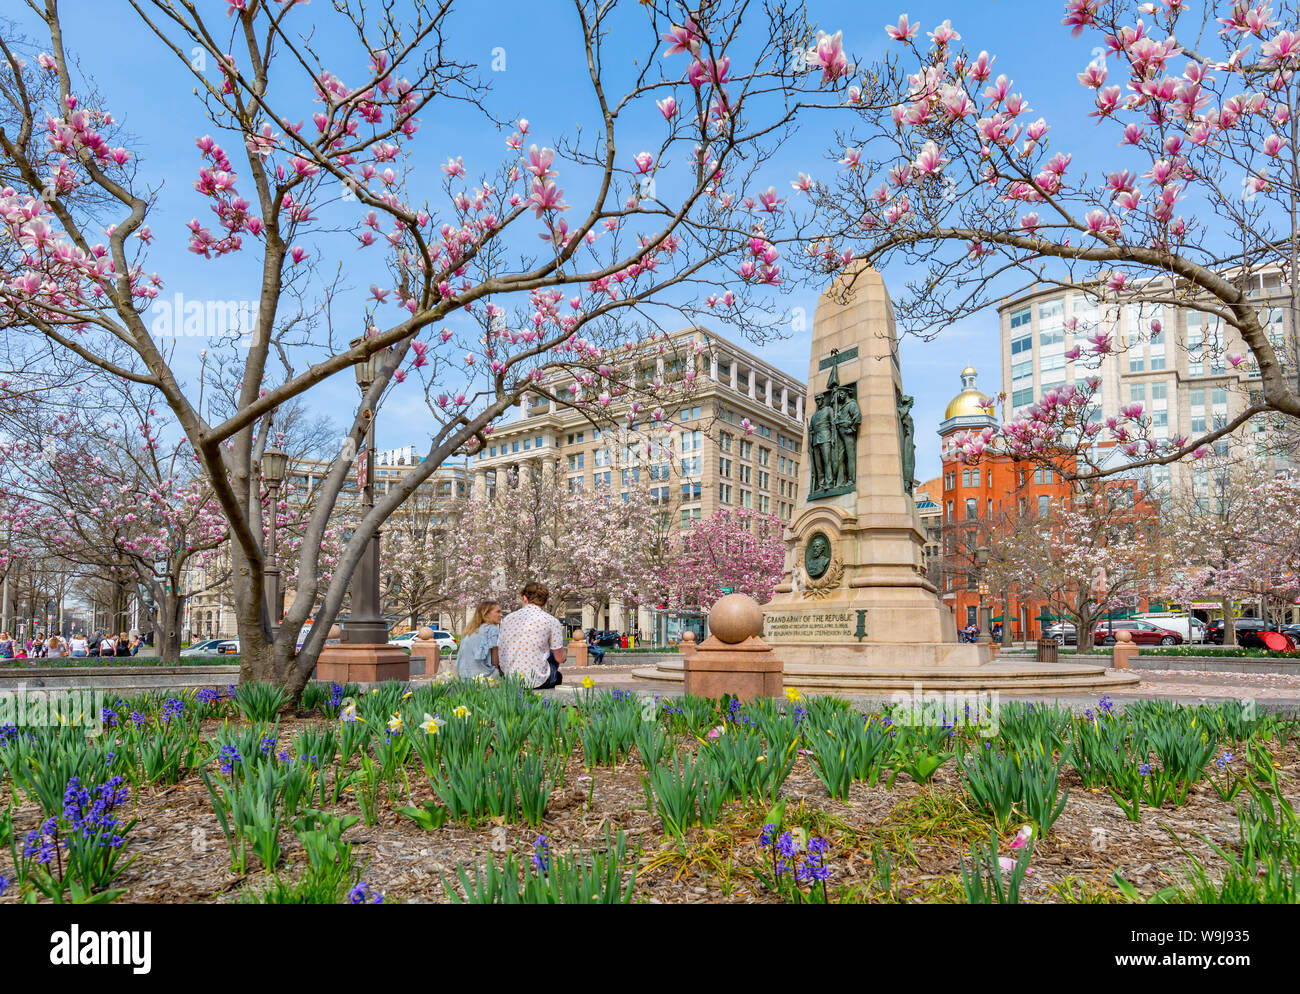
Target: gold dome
[(970, 402)]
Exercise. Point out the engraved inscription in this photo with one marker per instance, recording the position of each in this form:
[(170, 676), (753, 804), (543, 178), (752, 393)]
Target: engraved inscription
[(813, 626)]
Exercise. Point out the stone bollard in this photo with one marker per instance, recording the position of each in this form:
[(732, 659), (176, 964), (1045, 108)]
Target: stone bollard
[(733, 659), (1124, 650), (686, 646), (424, 653), (578, 651)]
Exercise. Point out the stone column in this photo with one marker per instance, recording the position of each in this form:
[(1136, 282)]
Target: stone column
[(713, 366), (735, 372), (785, 400), (479, 491), (798, 408), (645, 620)]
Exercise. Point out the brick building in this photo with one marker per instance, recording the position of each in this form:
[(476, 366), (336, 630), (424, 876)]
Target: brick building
[(978, 502)]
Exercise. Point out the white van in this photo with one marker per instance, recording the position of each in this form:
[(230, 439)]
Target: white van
[(1193, 630)]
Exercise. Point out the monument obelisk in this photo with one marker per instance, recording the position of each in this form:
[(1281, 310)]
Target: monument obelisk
[(854, 612), (854, 589)]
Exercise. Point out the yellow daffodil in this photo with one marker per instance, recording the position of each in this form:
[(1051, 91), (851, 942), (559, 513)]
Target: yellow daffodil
[(406, 695), (793, 696), (461, 711), (761, 759), (588, 682), (431, 724), (395, 722)]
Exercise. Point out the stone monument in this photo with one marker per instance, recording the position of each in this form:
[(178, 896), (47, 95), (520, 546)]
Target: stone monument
[(855, 611), (855, 590)]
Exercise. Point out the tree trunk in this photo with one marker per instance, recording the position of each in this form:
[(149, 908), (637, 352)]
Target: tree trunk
[(167, 628), (1229, 628)]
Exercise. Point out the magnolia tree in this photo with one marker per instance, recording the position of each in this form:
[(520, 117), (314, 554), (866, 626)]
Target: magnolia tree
[(1092, 553), (101, 491), (1198, 193), (484, 283), (414, 581), (587, 547), (733, 548), (1233, 539)]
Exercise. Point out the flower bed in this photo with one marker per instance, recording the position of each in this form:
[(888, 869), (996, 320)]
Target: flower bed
[(487, 792)]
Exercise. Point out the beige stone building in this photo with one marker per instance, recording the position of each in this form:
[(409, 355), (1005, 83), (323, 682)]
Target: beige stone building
[(735, 440), (1190, 375)]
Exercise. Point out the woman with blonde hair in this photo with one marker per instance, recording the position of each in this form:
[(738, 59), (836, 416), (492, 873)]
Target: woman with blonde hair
[(478, 643)]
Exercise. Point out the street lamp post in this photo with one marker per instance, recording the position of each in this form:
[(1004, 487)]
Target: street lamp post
[(365, 625), (982, 557), (274, 464)]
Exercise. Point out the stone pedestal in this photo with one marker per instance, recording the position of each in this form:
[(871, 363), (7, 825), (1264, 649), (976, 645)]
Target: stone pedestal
[(748, 671), (578, 651), (362, 663), (425, 654), (734, 660), (1124, 651), (687, 646)]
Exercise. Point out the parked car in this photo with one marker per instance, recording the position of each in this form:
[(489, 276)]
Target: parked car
[(609, 640), (1063, 632), (213, 647), (1246, 631), (1191, 629), (1143, 632), (446, 641)]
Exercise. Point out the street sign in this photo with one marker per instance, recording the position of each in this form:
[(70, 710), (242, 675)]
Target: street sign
[(728, 590)]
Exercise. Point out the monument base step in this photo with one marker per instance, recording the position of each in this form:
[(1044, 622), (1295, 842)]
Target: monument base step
[(1008, 677)]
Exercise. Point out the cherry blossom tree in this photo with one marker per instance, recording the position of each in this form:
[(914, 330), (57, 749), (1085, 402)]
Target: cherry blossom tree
[(100, 491), (484, 283), (1093, 552), (587, 547), (735, 547), (1233, 539), (963, 180)]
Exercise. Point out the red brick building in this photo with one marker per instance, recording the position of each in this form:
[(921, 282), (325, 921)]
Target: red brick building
[(980, 502)]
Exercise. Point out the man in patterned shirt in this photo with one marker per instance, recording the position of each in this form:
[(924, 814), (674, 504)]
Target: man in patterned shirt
[(531, 644)]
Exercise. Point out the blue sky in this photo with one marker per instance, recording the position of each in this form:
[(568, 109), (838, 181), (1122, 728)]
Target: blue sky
[(152, 94)]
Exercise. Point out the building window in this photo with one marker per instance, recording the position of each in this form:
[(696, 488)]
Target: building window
[(1020, 317), (972, 508)]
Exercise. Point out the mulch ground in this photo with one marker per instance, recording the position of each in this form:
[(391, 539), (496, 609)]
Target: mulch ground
[(921, 831)]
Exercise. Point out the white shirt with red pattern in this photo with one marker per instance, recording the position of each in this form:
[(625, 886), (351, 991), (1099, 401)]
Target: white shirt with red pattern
[(527, 636)]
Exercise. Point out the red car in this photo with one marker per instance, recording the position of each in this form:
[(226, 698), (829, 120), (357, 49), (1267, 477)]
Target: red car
[(1143, 632)]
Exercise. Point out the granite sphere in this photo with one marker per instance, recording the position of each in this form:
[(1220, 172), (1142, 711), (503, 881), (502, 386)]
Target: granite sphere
[(735, 618)]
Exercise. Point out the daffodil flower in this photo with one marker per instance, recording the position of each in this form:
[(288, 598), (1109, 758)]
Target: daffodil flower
[(395, 722), (461, 711), (431, 724), (588, 682), (793, 696), (349, 713)]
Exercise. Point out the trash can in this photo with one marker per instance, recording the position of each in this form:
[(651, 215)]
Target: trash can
[(1047, 650)]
